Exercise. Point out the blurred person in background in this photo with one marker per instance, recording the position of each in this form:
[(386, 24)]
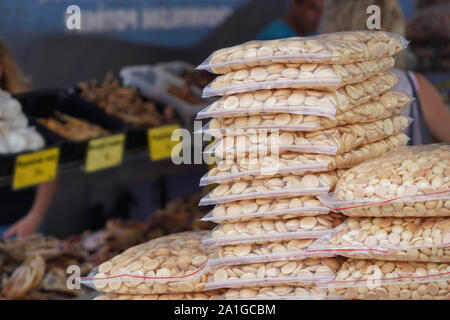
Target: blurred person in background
[(29, 205), (431, 117), (302, 20)]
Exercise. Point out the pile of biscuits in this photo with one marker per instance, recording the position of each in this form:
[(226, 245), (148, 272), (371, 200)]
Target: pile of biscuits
[(295, 115), (285, 131), (397, 235)]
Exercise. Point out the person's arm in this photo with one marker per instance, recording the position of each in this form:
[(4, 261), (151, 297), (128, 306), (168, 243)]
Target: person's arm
[(31, 222), (435, 112)]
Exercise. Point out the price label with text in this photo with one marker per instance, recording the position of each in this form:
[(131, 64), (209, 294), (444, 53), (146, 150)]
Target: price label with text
[(105, 152), (35, 168), (160, 143)]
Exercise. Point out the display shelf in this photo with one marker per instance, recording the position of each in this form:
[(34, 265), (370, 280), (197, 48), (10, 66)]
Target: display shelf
[(158, 168)]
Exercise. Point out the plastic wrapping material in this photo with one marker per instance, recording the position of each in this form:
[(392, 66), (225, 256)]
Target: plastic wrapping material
[(394, 239), (284, 187), (427, 205), (306, 271), (272, 230), (265, 209), (407, 172), (277, 165), (295, 249), (260, 124), (416, 191), (331, 141), (390, 104), (207, 295), (280, 292), (273, 165), (433, 290), (293, 101), (339, 48), (171, 264), (359, 93), (298, 76), (300, 101), (370, 279)]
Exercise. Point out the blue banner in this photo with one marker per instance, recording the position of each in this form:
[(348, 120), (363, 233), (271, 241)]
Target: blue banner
[(174, 23)]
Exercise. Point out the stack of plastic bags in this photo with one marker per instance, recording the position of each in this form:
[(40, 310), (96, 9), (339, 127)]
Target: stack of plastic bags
[(293, 113), (397, 235), (396, 239)]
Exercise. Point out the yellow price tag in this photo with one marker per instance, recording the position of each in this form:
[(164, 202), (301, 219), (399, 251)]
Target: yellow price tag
[(159, 142), (35, 168), (105, 152)]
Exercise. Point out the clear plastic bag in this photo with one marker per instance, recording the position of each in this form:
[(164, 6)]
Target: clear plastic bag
[(331, 141), (300, 101), (272, 230), (264, 209), (388, 105), (273, 165), (206, 295), (394, 239), (407, 172), (436, 204), (295, 249), (306, 271), (340, 47), (433, 290), (175, 263), (298, 76), (285, 187), (280, 292), (360, 279), (408, 182), (221, 127), (279, 164), (293, 101)]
